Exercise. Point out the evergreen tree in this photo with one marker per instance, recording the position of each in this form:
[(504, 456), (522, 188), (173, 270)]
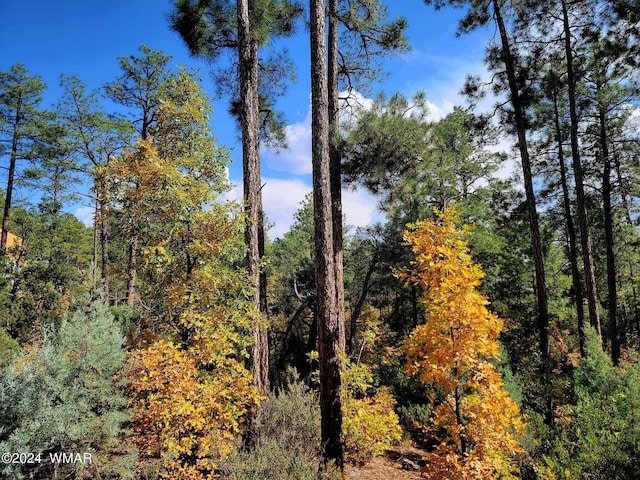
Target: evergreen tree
[(330, 343), (59, 396), (209, 28), (94, 138), (20, 96), (140, 88)]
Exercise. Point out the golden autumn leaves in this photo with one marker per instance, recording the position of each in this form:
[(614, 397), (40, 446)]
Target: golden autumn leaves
[(189, 388), (474, 419), (188, 385)]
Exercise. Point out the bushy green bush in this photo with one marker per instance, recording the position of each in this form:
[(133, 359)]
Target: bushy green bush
[(599, 436), (413, 418), (287, 439), (370, 425), (9, 348), (59, 396)]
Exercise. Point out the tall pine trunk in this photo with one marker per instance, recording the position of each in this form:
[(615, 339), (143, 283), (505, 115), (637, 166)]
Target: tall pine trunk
[(335, 166), (326, 298), (534, 229), (133, 271), (612, 292), (13, 157), (571, 231), (104, 248), (94, 260), (254, 230), (578, 174)]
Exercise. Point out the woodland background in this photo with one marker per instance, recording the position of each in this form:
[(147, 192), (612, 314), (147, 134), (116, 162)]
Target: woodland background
[(492, 323)]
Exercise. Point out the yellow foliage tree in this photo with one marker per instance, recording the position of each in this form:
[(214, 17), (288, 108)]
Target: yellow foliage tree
[(189, 388), (475, 421), (370, 424)]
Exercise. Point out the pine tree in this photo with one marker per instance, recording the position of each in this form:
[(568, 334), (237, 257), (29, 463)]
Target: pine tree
[(330, 342), (210, 28), (139, 87), (20, 96), (59, 396)]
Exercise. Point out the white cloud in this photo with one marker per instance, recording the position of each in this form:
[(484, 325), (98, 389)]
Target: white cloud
[(360, 208), (235, 193), (296, 159), (281, 199), (351, 103), (85, 215)]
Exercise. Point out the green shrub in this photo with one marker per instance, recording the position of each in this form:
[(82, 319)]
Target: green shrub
[(9, 348), (370, 426), (287, 439), (60, 396), (413, 418), (599, 436)]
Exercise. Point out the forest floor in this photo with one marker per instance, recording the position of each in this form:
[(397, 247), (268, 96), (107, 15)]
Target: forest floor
[(389, 466)]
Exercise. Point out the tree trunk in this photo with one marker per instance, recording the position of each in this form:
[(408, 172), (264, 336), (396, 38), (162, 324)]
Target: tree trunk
[(335, 166), (626, 206), (254, 229), (326, 304), (94, 261), (10, 179), (578, 174), (612, 292), (534, 230), (104, 249), (357, 309), (133, 271), (571, 233)]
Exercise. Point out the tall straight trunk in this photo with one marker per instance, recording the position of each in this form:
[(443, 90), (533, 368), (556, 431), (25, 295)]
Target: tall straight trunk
[(578, 174), (626, 206), (104, 248), (326, 299), (335, 166), (133, 271), (250, 121), (534, 229), (94, 260), (132, 274), (571, 232), (13, 157), (612, 292)]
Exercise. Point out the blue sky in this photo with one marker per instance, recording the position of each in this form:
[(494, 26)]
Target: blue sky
[(85, 38)]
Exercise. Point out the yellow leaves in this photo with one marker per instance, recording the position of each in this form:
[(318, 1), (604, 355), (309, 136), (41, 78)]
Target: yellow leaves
[(370, 425), (187, 418), (451, 350)]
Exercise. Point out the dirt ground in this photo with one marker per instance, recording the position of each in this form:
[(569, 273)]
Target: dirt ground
[(388, 467)]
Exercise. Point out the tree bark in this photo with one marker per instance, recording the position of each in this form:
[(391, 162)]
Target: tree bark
[(534, 229), (104, 248), (13, 157), (254, 229), (571, 232), (578, 174), (326, 304), (133, 271), (94, 267), (335, 166), (612, 292)]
